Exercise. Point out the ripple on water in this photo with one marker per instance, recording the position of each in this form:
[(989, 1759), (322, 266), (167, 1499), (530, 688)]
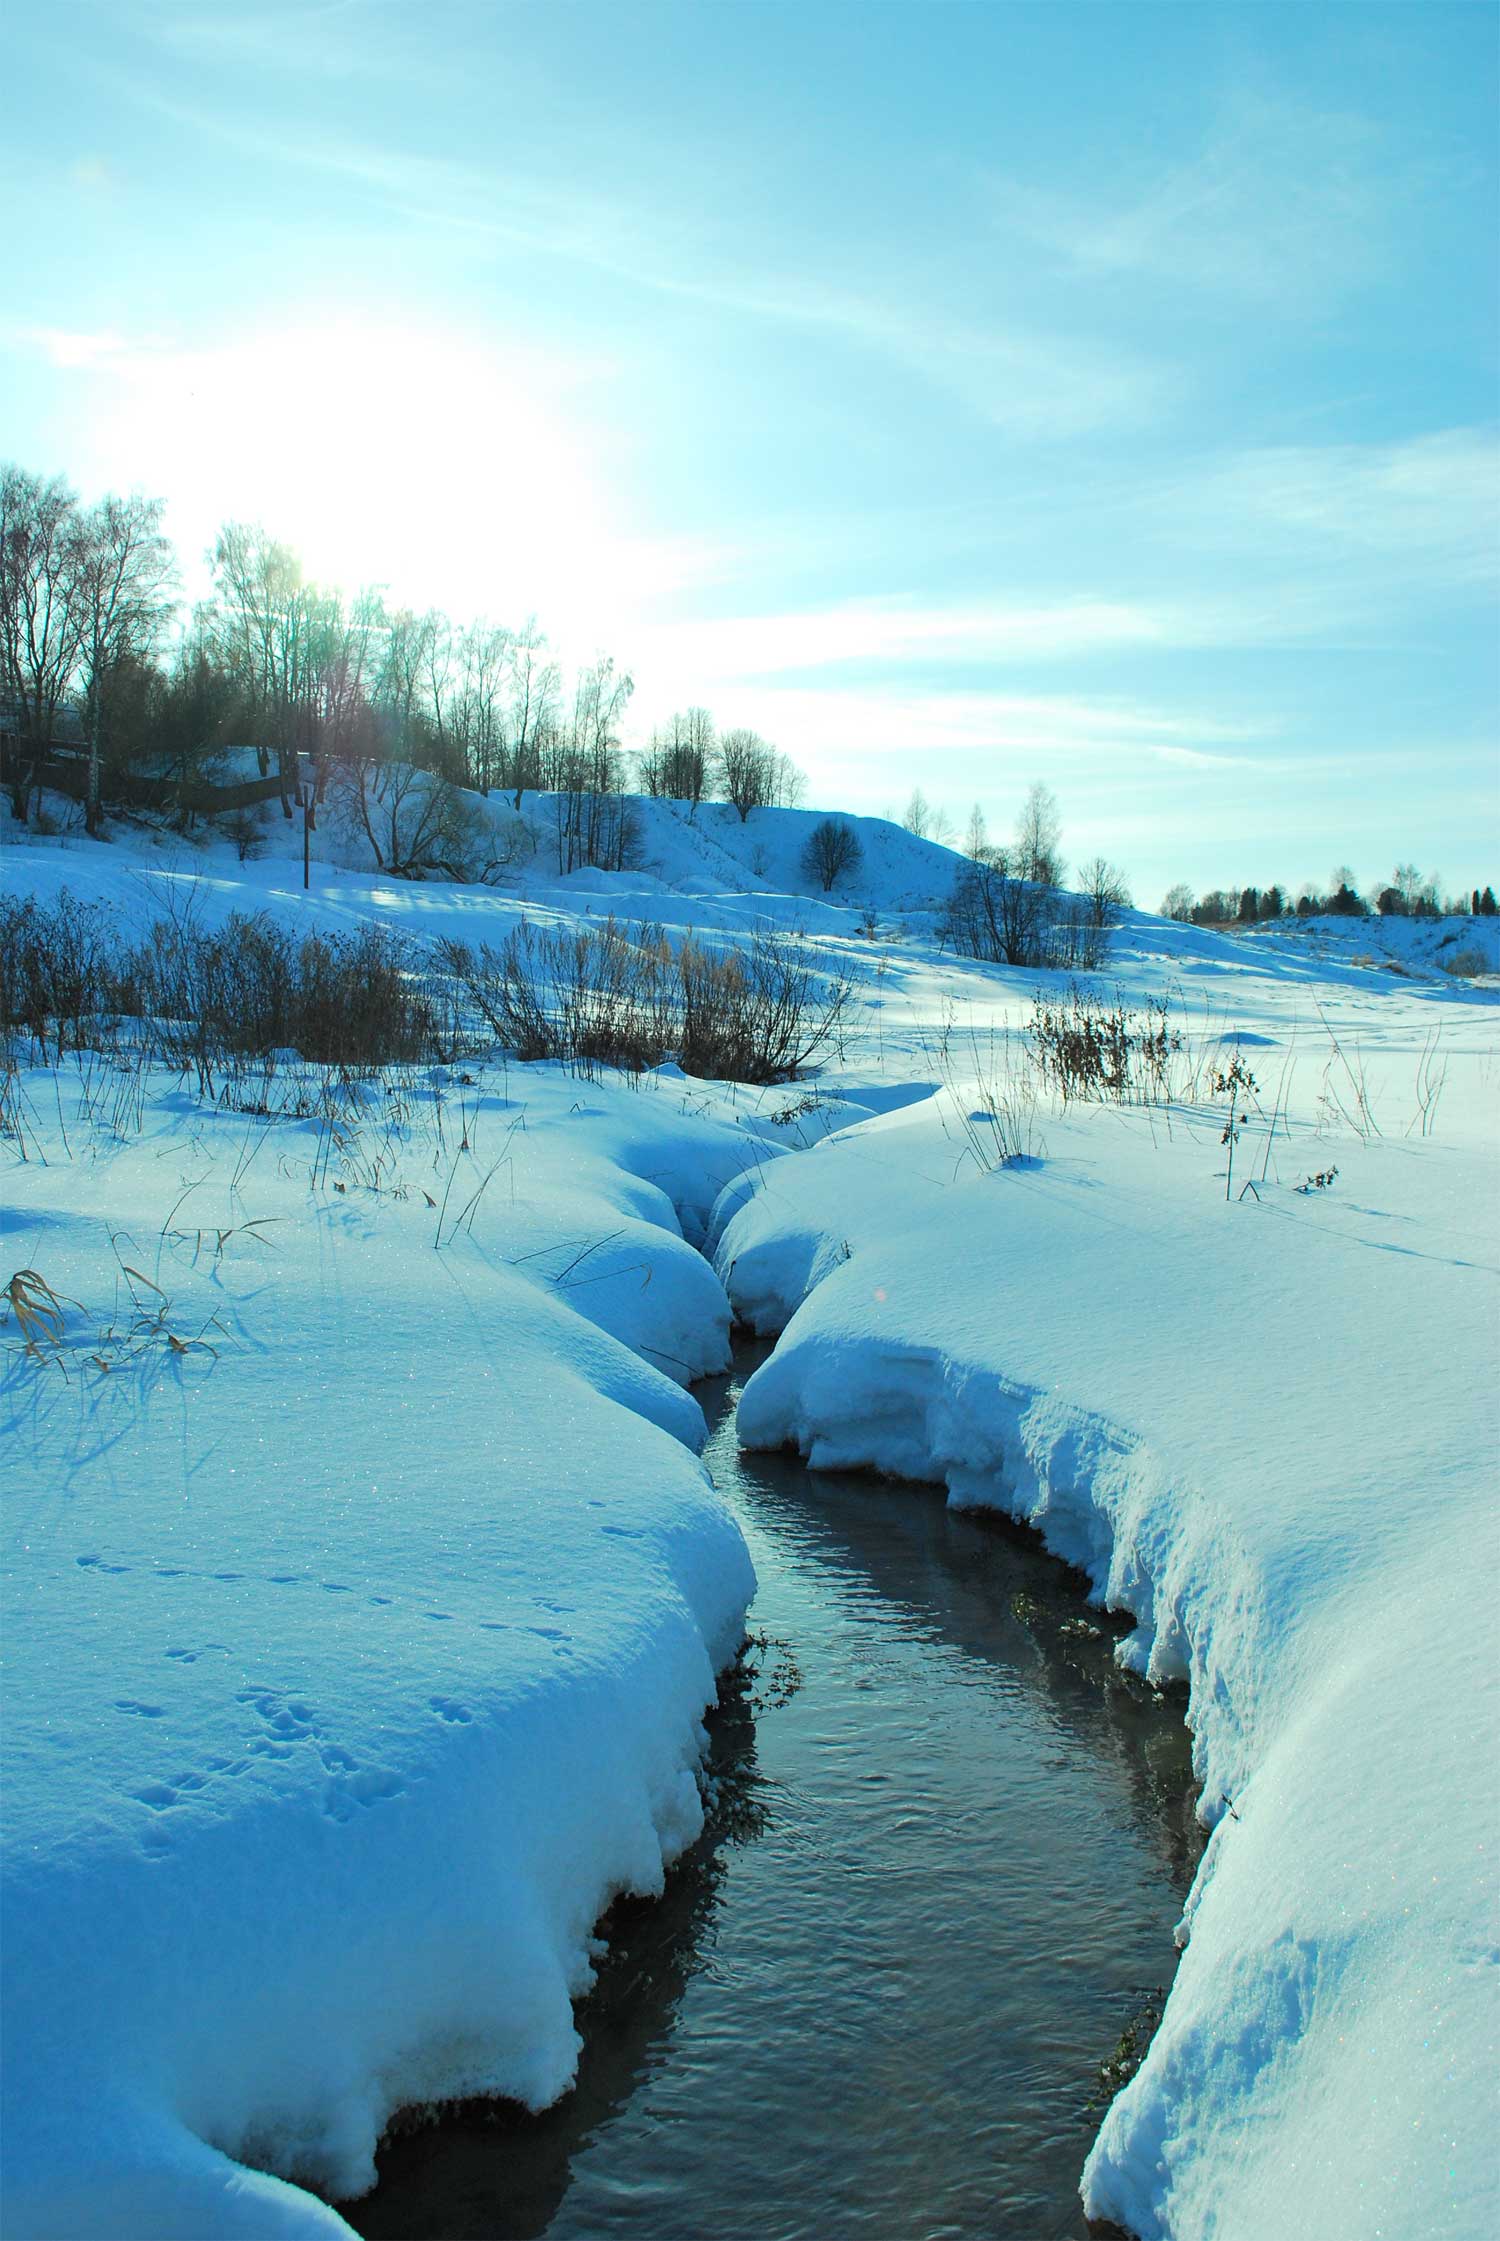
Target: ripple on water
[(947, 1846)]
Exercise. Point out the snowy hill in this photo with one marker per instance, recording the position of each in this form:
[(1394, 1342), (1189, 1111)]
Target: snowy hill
[(348, 1687)]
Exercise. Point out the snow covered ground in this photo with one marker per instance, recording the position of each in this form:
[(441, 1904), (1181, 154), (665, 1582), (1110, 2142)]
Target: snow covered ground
[(359, 1650)]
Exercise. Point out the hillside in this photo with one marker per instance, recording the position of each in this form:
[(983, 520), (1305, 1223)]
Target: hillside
[(348, 1688)]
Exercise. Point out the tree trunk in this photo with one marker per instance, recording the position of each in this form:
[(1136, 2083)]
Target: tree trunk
[(91, 813)]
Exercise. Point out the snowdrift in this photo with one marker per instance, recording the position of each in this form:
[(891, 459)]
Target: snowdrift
[(1264, 1430), (361, 1615), (360, 1640)]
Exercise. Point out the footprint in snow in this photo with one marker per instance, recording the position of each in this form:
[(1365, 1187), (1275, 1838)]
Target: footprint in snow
[(359, 1789)]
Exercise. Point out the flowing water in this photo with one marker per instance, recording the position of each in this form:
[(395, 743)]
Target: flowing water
[(948, 1843)]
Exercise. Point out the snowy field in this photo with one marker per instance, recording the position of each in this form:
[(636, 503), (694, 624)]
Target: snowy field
[(364, 1593)]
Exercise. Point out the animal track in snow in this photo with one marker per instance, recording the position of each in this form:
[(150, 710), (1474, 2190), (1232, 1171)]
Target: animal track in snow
[(359, 1788)]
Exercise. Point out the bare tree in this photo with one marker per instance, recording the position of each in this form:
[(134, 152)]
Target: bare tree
[(484, 657), (1178, 902), (1038, 833), (438, 667), (534, 683), (678, 761), (349, 663), (744, 770), (650, 767), (415, 821), (1006, 920), (693, 755), (752, 774), (976, 835), (1103, 887), (918, 816), (833, 849), (39, 612), (403, 685), (600, 699), (123, 573), (275, 632), (594, 820)]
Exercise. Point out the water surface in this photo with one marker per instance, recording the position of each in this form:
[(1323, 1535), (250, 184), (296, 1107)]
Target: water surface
[(948, 1843)]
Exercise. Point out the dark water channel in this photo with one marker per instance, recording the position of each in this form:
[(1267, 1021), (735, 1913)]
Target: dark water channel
[(948, 1845)]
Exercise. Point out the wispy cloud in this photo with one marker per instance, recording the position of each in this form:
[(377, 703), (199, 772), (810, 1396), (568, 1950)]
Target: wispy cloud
[(852, 728), (1433, 500), (336, 38), (888, 632), (1278, 199), (1030, 381)]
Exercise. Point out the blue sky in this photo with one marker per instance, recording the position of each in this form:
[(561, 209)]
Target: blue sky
[(961, 395)]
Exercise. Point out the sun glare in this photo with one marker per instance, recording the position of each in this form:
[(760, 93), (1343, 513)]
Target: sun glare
[(411, 459)]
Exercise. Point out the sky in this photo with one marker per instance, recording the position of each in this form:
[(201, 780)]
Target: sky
[(961, 395)]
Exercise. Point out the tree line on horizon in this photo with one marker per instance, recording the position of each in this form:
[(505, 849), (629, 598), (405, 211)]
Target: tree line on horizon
[(394, 708), (398, 712), (1409, 893)]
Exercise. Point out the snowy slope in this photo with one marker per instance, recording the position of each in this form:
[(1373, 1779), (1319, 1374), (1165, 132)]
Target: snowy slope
[(335, 1684), (356, 1663), (1261, 1430)]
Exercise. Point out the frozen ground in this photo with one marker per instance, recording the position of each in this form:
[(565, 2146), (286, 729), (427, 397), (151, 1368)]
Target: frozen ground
[(358, 1660)]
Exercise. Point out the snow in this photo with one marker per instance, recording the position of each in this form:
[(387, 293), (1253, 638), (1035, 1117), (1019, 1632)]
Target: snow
[(356, 1664), (1268, 1430)]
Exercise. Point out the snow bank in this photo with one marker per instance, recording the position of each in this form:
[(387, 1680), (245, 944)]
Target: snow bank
[(1268, 1431), (356, 1664), (357, 1651)]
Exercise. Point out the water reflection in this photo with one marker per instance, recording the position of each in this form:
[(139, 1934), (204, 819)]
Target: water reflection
[(946, 1843)]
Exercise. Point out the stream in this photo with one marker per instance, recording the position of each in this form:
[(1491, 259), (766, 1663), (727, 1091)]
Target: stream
[(947, 1844)]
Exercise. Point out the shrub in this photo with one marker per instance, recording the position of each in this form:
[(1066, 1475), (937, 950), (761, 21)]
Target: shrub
[(243, 827), (1003, 920), (616, 995), (831, 852), (196, 996), (1105, 1051), (1466, 963)]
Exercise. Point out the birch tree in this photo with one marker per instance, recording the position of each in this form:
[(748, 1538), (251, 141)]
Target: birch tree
[(123, 575)]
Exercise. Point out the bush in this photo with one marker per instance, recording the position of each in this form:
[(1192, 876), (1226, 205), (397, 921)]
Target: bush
[(1002, 920), (616, 995), (416, 821), (1466, 963), (196, 996), (242, 826), (832, 851), (1104, 1051)]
